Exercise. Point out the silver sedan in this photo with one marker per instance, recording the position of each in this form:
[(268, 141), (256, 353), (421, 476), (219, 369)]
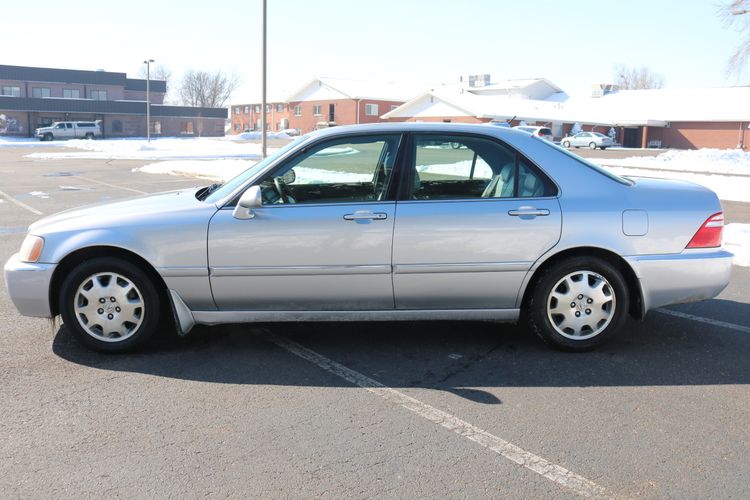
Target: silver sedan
[(382, 222), (591, 140)]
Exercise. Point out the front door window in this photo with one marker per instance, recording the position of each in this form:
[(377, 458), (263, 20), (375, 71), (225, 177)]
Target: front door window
[(348, 170)]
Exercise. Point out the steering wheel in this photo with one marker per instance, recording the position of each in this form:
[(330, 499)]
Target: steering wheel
[(283, 190)]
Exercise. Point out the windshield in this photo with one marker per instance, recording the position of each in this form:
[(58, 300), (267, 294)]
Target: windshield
[(587, 163), (234, 183)]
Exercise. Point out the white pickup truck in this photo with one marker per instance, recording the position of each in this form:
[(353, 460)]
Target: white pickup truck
[(69, 130)]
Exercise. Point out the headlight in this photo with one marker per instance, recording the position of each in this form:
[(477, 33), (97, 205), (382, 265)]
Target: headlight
[(31, 248)]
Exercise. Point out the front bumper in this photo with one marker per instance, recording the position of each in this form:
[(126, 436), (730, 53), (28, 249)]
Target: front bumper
[(28, 286), (685, 277)]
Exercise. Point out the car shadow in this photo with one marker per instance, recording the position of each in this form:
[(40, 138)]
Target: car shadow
[(462, 358)]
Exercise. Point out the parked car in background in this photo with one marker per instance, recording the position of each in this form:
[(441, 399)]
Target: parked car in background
[(69, 130), (591, 140), (505, 227), (543, 132)]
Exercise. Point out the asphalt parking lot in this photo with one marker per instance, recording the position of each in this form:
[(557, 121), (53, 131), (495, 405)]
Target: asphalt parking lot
[(416, 409)]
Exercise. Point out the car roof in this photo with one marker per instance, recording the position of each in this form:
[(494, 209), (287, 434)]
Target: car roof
[(401, 127)]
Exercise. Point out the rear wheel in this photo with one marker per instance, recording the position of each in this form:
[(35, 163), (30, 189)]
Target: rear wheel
[(89, 136), (110, 304), (592, 145), (577, 304)]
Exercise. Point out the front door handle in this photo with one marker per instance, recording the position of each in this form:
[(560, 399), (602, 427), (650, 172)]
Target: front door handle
[(528, 212), (366, 216)]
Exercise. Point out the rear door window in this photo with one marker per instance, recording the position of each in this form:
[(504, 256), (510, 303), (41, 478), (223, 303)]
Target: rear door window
[(464, 167)]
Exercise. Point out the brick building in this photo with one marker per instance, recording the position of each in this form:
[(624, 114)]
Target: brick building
[(324, 102), (669, 118), (33, 97)]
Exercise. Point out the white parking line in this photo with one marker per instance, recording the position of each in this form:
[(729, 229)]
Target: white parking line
[(20, 203), (112, 185), (701, 319), (578, 484)]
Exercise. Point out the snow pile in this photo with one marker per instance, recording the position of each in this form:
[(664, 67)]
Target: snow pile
[(737, 241), (255, 136), (715, 161), (459, 169), (157, 149)]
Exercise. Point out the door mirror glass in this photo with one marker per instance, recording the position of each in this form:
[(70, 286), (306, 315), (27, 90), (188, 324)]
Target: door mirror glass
[(250, 200), (289, 176)]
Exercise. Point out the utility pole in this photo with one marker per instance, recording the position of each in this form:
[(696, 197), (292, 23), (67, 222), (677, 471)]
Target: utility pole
[(264, 118), (148, 62)]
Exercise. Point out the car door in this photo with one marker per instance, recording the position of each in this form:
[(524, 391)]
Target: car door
[(322, 239), (470, 223)]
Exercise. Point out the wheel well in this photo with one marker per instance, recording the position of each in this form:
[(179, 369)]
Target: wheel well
[(73, 259), (634, 288)]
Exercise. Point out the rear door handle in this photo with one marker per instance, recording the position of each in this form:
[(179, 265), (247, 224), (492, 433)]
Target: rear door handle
[(366, 216), (528, 212)]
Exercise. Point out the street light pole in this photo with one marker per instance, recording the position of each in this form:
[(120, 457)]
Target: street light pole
[(264, 118), (148, 62)]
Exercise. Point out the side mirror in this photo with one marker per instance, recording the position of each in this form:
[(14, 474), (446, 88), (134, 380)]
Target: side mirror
[(249, 200)]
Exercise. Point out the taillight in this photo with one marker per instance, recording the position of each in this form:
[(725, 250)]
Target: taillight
[(540, 134), (710, 233)]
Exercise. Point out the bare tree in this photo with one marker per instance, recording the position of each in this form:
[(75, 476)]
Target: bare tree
[(632, 78), (206, 89), (736, 14), (158, 72)]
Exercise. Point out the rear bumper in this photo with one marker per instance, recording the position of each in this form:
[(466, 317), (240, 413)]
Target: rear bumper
[(685, 277), (28, 286)]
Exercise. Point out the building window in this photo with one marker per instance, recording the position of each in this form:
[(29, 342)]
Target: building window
[(116, 126), (71, 93), (11, 91), (257, 108), (371, 109), (186, 128), (258, 124), (157, 127), (298, 111), (237, 110), (98, 95), (317, 110), (247, 110), (280, 107), (40, 92), (237, 127), (393, 106), (268, 108)]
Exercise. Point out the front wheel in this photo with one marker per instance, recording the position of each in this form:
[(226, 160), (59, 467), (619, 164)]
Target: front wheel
[(48, 137), (110, 304), (566, 144), (577, 304)]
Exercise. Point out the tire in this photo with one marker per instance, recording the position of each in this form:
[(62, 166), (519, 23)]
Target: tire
[(48, 137), (566, 144), (134, 312), (555, 320), (602, 148), (89, 136), (592, 145)]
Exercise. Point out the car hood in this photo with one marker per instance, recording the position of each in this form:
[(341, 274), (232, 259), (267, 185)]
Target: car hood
[(129, 211)]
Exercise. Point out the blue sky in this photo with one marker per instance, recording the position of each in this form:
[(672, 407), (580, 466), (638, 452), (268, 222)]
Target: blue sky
[(573, 43)]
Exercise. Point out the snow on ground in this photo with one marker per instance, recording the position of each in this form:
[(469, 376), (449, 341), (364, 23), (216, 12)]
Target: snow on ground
[(716, 161), (215, 170), (223, 170), (737, 241), (24, 142), (157, 149)]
